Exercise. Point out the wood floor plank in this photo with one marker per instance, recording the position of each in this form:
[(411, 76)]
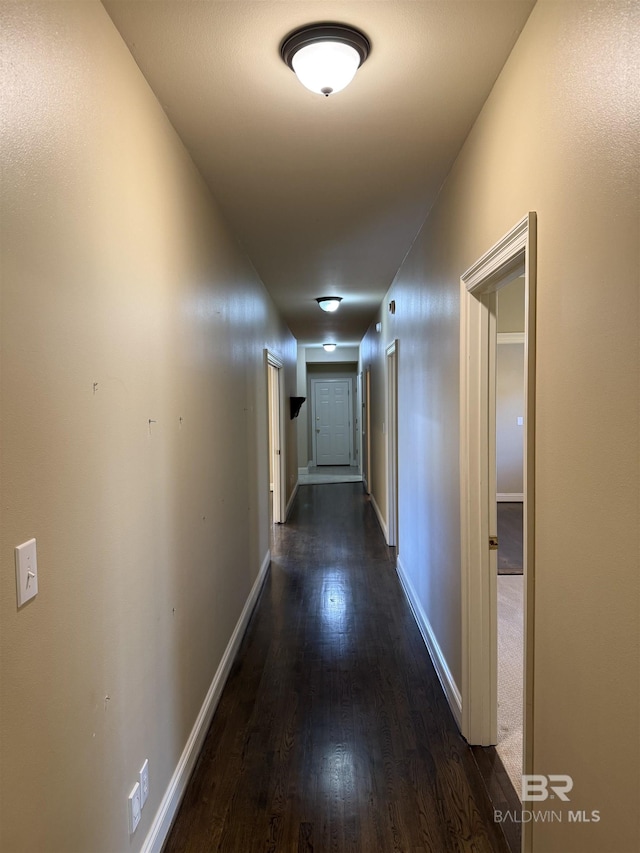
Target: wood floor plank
[(332, 733)]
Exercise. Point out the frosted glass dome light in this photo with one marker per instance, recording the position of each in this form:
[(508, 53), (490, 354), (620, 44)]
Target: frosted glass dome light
[(326, 67), (325, 57), (329, 303)]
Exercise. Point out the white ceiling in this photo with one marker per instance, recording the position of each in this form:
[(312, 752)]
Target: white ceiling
[(326, 195)]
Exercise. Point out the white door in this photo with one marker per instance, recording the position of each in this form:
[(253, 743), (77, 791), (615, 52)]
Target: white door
[(332, 398)]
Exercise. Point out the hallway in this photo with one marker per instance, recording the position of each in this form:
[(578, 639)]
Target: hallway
[(332, 733)]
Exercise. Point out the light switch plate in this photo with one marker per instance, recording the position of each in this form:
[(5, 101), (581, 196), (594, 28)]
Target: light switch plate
[(144, 783), (134, 808), (26, 571)]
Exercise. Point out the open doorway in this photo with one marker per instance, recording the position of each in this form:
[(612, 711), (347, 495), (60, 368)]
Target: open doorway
[(332, 422), (509, 420), (514, 254), (333, 448), (275, 398)]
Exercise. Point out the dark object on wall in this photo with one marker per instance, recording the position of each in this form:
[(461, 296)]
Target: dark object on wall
[(296, 403)]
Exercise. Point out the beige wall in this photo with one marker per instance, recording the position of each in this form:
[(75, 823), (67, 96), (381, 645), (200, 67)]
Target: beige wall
[(340, 355), (510, 307), (117, 270), (558, 135), (509, 407)]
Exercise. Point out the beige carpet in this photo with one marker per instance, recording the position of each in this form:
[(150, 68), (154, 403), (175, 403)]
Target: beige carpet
[(510, 675)]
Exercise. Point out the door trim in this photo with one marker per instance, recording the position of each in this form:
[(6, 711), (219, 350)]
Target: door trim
[(366, 430), (314, 382), (275, 423), (479, 618), (391, 373)]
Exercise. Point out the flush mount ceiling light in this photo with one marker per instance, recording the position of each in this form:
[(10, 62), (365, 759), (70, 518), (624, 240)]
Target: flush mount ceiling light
[(329, 347), (329, 303), (325, 57)]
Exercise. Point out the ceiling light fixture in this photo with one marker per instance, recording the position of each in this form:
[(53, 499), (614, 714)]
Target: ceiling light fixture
[(325, 57), (329, 303), (329, 347)]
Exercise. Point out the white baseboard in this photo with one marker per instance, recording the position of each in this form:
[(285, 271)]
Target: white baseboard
[(510, 337), (449, 686), (291, 500), (173, 795), (302, 472), (510, 497), (381, 521)]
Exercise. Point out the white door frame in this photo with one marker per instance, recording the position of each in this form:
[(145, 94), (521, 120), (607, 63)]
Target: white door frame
[(357, 429), (366, 430), (392, 442), (314, 382), (477, 482), (275, 435)]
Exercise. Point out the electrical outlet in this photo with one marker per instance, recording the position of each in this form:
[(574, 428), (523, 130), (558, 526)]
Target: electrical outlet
[(134, 808), (144, 783)]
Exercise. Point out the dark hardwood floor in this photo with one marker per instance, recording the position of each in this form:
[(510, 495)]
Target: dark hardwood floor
[(510, 538), (501, 792), (332, 733)]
